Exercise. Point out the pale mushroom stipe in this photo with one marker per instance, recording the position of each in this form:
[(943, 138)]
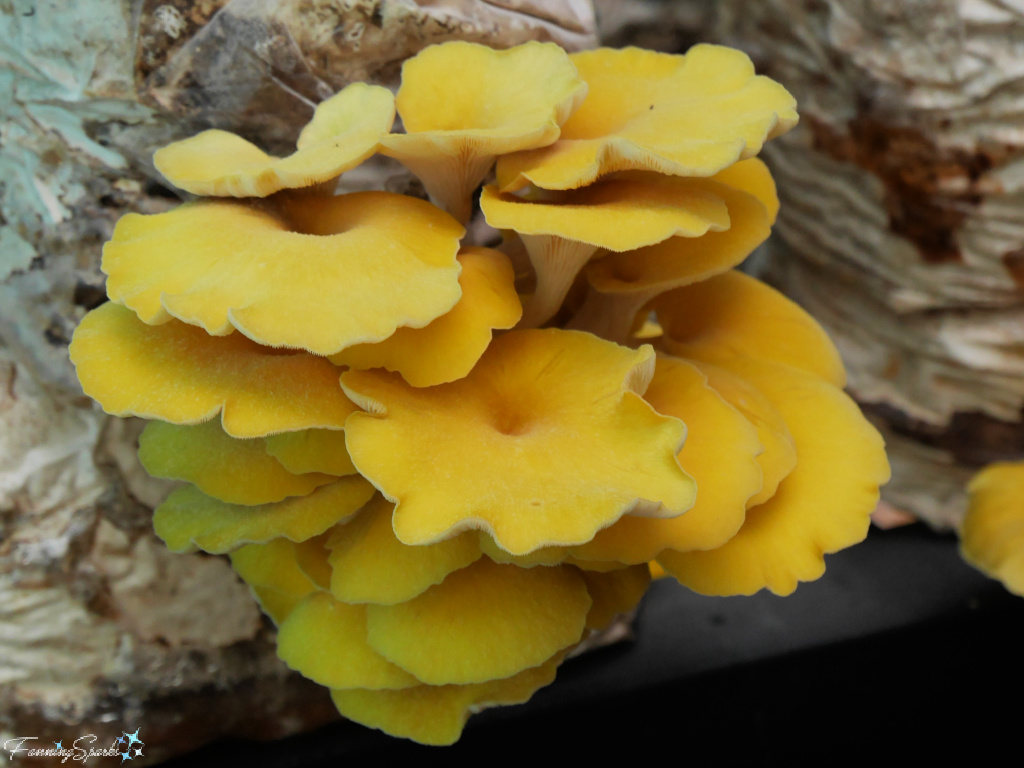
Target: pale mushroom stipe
[(470, 459)]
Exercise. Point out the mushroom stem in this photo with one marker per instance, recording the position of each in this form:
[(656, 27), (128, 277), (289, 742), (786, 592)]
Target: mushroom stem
[(556, 262), (450, 172), (611, 316)]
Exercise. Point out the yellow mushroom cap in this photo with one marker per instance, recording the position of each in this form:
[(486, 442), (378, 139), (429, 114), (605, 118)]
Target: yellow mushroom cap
[(344, 131), (448, 348), (463, 104), (546, 441), (229, 469), (359, 267), (326, 641), (992, 533), (719, 453), (177, 373), (522, 94), (436, 714), (190, 519), (274, 578), (370, 565), (621, 284), (717, 436), (617, 213), (778, 456), (733, 314), (484, 622), (272, 565), (681, 261), (822, 506), (680, 115)]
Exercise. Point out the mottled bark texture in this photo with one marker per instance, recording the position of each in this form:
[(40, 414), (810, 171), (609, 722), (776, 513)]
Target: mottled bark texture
[(902, 220), (101, 629)]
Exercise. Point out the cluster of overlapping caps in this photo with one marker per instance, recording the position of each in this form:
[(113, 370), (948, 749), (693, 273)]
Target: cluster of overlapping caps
[(514, 444)]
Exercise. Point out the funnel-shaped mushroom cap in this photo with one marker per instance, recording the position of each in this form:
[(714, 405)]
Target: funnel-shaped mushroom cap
[(370, 565), (176, 373), (436, 714), (546, 441), (344, 131), (992, 533), (360, 266), (734, 314), (679, 115), (719, 453), (448, 348), (312, 450), (325, 640), (229, 469), (484, 622), (463, 104), (190, 519), (680, 393), (822, 506)]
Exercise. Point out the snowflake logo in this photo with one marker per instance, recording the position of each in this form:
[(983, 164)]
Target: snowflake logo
[(129, 745)]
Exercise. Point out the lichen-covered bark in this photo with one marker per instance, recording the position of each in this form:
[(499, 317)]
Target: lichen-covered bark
[(99, 625), (902, 219)]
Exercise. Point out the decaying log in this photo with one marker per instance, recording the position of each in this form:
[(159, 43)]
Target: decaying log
[(101, 629)]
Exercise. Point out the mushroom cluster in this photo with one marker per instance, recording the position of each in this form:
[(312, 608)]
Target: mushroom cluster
[(441, 466)]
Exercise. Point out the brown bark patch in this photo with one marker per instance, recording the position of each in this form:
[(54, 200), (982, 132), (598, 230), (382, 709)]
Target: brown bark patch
[(972, 438), (164, 27), (1014, 263), (929, 190)]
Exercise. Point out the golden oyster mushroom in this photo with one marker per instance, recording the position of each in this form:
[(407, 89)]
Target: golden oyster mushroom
[(992, 532), (514, 428), (680, 115), (345, 131), (320, 274), (463, 105)]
